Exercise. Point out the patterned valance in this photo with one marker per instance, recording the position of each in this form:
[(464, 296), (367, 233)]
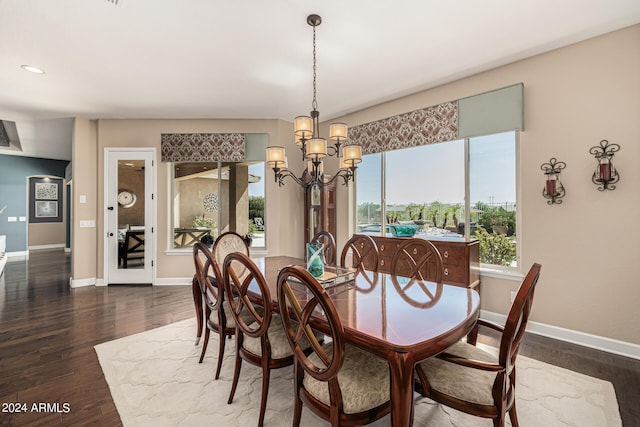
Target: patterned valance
[(420, 127), (202, 147)]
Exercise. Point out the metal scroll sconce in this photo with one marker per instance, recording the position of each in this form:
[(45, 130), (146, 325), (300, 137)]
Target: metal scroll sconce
[(553, 189), (605, 175)]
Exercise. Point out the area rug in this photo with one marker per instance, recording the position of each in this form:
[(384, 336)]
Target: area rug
[(155, 379)]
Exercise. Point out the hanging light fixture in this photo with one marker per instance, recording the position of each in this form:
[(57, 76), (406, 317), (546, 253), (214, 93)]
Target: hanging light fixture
[(605, 175), (314, 148)]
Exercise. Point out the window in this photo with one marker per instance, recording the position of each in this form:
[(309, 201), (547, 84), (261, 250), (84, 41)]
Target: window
[(422, 190), (492, 191), (215, 197)]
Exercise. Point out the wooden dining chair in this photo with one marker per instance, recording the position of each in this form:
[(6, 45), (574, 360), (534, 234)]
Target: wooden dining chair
[(209, 276), (471, 380), (133, 248), (364, 253), (260, 339), (418, 259), (338, 382), (329, 243)]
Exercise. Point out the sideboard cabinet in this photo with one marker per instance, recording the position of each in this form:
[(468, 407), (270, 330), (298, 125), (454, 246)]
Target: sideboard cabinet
[(460, 258)]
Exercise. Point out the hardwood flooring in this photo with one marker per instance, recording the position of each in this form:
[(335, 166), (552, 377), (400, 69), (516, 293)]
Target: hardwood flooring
[(47, 334)]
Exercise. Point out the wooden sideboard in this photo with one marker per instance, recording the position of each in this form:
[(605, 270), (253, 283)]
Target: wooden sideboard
[(460, 258)]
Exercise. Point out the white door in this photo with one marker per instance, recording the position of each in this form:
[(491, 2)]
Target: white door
[(129, 215)]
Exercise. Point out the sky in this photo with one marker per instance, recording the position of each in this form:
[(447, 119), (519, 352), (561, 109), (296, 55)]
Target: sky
[(436, 172), (257, 188)]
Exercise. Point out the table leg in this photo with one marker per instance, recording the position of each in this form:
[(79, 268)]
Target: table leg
[(401, 368), (197, 302)]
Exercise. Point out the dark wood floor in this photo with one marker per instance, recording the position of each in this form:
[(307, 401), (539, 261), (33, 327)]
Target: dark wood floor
[(47, 334)]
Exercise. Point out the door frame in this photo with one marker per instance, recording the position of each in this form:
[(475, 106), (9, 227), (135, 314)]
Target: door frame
[(150, 216)]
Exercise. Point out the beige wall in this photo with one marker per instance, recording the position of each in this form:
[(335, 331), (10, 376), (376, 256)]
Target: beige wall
[(283, 206), (84, 159), (574, 97)]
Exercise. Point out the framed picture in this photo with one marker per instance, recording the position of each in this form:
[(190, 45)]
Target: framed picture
[(46, 209), (46, 191), (45, 200)]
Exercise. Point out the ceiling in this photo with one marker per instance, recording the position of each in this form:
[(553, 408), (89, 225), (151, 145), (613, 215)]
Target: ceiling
[(252, 58)]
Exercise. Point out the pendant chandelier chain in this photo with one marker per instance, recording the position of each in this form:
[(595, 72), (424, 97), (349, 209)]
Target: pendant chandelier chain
[(314, 104)]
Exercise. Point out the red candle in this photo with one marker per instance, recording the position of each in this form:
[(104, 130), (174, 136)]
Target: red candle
[(605, 171), (551, 187)]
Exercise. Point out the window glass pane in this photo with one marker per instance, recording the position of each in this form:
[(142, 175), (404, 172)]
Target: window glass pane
[(369, 195), (492, 176), (212, 198), (256, 205), (425, 189)]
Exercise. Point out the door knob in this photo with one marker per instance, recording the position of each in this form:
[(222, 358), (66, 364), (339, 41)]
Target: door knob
[(110, 208), (110, 234)]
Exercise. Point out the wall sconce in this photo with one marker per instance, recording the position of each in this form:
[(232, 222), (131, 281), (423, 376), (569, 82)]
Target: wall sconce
[(553, 189), (605, 174)]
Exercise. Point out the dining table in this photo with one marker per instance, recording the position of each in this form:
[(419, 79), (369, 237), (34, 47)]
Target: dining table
[(399, 319)]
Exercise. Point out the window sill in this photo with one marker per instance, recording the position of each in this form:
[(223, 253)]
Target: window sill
[(178, 252), (508, 274), (256, 253)]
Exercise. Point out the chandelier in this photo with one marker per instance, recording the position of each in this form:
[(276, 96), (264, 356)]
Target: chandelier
[(314, 148)]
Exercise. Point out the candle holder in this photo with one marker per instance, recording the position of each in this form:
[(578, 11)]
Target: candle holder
[(553, 189), (605, 175)]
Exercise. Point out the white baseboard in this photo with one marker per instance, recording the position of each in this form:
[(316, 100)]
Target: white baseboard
[(173, 281), (17, 256), (91, 281), (52, 246), (581, 338), (101, 282), (3, 262)]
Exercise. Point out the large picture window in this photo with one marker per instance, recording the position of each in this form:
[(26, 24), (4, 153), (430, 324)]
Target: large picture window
[(210, 198), (422, 189)]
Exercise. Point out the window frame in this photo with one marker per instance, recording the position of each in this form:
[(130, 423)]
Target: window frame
[(171, 179), (493, 270)]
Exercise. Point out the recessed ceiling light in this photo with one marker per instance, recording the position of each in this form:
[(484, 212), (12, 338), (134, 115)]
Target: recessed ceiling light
[(32, 69)]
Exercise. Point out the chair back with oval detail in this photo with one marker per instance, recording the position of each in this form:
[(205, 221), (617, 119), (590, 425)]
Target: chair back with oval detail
[(260, 338), (304, 306), (329, 243), (363, 252), (471, 380), (208, 264), (418, 259)]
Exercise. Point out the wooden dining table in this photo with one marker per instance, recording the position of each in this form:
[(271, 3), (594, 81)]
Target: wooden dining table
[(401, 320)]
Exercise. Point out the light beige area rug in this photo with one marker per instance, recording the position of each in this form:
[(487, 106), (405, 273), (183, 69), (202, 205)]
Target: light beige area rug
[(155, 379)]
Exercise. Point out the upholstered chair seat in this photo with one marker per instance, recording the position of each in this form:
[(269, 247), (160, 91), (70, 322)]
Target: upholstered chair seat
[(231, 322), (471, 380), (469, 384), (212, 290), (340, 383), (280, 347), (363, 379)]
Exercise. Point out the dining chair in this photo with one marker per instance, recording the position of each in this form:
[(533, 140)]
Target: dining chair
[(329, 243), (364, 253), (474, 381), (418, 259), (210, 279), (260, 338), (337, 381), (133, 247)]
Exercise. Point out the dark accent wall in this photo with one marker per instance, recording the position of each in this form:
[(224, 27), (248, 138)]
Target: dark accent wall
[(14, 171)]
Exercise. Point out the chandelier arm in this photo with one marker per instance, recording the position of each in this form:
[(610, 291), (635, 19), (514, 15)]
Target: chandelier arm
[(282, 174), (345, 174)]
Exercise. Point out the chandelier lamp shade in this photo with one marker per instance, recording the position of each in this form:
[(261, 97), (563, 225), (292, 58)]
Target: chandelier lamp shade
[(315, 148)]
